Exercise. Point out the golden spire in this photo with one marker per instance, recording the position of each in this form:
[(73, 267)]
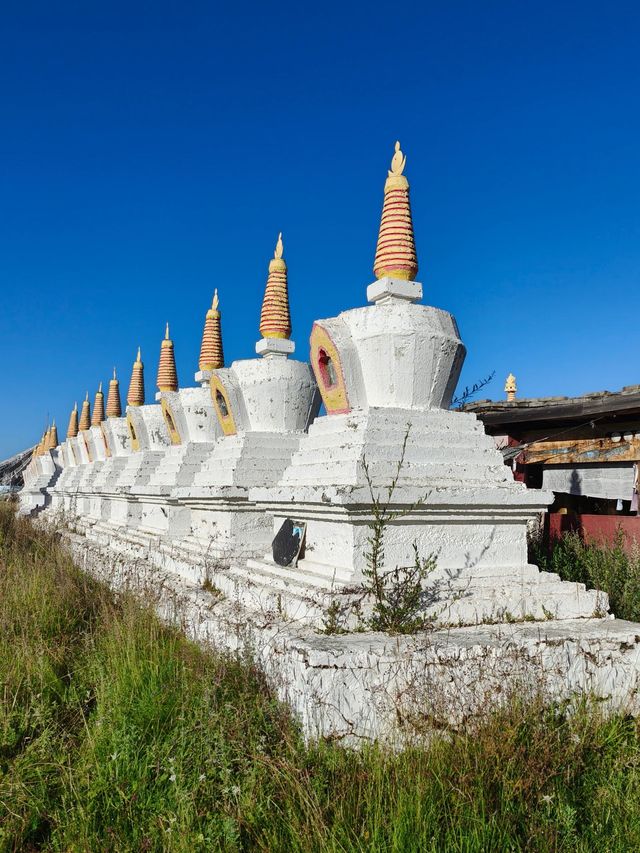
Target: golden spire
[(98, 408), (85, 414), (47, 439), (167, 374), (42, 446), (396, 250), (510, 387), (53, 436), (114, 409), (275, 321), (72, 429), (135, 397), (211, 354)]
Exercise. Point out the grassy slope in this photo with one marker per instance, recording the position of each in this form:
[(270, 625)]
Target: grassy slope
[(116, 734)]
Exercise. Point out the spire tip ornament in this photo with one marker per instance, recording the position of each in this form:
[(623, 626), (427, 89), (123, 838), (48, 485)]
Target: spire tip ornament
[(275, 318), (98, 408), (135, 395), (114, 407), (398, 162), (279, 248), (211, 353), (167, 379), (85, 414), (396, 250)]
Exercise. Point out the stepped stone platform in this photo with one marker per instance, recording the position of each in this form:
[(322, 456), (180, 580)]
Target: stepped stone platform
[(373, 687)]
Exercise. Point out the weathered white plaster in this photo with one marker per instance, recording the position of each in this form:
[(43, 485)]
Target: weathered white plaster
[(40, 475), (370, 686), (272, 402), (153, 441), (194, 421), (386, 289)]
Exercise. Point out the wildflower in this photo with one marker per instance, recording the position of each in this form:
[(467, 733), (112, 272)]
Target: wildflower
[(546, 798), (172, 778), (202, 777), (113, 756)]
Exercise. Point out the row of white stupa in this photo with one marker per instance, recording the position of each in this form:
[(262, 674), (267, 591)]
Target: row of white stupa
[(201, 481)]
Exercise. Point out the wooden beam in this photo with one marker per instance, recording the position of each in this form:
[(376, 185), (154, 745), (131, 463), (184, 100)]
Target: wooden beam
[(592, 450)]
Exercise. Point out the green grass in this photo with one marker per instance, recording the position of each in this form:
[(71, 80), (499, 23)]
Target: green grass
[(116, 734), (609, 567)]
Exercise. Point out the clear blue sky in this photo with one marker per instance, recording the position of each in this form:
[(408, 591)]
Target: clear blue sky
[(150, 152)]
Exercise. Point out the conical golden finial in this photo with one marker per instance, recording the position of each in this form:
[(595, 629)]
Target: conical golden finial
[(72, 429), (135, 396), (211, 354), (98, 408), (53, 436), (510, 387), (275, 319), (396, 250), (85, 414), (167, 374), (114, 409)]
